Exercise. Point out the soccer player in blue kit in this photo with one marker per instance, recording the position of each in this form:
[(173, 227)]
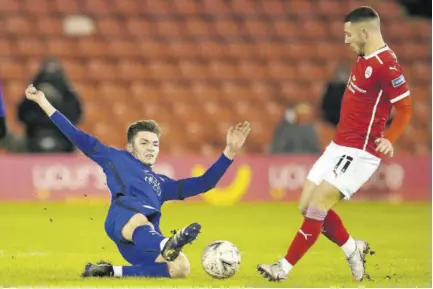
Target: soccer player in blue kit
[(138, 193)]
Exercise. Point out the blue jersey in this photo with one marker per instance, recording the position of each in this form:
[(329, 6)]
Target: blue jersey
[(127, 176)]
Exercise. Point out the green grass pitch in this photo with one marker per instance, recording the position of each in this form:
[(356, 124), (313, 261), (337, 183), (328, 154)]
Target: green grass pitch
[(49, 244)]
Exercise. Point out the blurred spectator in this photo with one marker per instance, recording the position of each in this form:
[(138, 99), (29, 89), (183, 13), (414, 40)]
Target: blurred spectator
[(418, 7), (331, 102), (296, 133), (42, 136)]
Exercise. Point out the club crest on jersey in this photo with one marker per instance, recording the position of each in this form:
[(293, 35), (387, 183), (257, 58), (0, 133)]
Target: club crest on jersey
[(156, 186), (398, 81), (368, 71)]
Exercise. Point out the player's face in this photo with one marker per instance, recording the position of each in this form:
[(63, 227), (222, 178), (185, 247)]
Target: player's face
[(354, 37), (145, 147)]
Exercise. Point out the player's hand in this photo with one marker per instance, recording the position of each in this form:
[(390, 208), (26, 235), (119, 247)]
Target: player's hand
[(385, 147), (34, 95), (237, 135)]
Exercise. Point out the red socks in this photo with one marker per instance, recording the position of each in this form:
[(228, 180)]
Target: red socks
[(307, 235), (334, 229)]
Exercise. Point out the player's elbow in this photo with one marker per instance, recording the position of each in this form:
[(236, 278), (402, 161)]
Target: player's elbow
[(180, 268)]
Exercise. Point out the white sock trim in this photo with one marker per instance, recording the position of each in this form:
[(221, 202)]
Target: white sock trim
[(349, 247), (162, 244), (118, 271), (285, 265)]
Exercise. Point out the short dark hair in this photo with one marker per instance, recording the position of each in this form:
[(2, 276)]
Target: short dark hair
[(143, 125), (361, 14)]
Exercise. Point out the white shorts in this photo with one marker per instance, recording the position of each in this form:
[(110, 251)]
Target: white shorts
[(345, 168)]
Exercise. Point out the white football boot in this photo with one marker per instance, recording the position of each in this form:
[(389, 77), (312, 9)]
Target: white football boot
[(357, 259), (272, 272)]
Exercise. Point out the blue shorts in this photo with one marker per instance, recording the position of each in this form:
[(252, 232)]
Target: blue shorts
[(121, 211)]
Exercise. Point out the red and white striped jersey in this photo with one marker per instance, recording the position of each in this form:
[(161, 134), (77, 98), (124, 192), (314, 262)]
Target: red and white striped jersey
[(375, 83)]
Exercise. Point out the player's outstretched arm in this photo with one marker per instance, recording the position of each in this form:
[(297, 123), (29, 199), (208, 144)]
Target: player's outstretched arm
[(181, 189), (88, 144), (3, 126)]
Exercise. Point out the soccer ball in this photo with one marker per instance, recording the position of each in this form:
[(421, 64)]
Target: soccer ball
[(221, 259)]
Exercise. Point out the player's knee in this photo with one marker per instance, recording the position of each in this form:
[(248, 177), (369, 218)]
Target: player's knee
[(180, 267), (136, 221), (325, 196), (302, 208)]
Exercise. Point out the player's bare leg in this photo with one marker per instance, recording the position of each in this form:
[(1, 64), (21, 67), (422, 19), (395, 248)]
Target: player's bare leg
[(325, 196)]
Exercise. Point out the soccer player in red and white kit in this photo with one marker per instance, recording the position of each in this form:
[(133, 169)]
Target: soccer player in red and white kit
[(376, 83)]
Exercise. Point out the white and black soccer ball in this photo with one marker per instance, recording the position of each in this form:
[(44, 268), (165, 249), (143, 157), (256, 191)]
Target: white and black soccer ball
[(221, 259)]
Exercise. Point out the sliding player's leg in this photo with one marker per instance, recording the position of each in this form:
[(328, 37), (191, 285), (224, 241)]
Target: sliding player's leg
[(132, 221), (144, 264)]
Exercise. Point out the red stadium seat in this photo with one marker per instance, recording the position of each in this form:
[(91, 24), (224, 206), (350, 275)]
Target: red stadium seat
[(300, 7), (18, 25), (97, 7), (245, 7), (313, 29), (155, 7), (214, 7), (253, 70), (233, 92), (210, 49), (67, 7), (279, 70), (170, 28), (223, 69), (193, 70), (203, 92), (12, 70), (109, 27), (126, 7), (7, 47), (226, 28), (198, 27), (122, 48), (164, 70), (269, 50), (75, 70), (183, 49), (27, 46), (140, 27), (176, 93), (273, 7), (331, 9), (132, 70), (61, 47), (14, 90), (91, 47), (152, 49), (145, 93), (263, 91), (37, 7), (284, 28), (49, 26), (10, 6), (101, 70), (239, 50), (256, 28), (186, 7)]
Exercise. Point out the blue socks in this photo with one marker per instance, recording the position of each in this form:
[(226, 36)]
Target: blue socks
[(146, 239), (155, 270)]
